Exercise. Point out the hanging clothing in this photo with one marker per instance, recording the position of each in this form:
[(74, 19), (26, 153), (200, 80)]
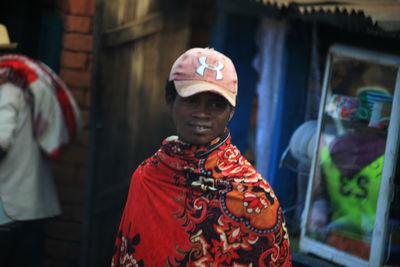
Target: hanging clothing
[(201, 206), (242, 29), (268, 63)]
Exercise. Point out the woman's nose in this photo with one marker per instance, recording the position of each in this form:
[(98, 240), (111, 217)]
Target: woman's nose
[(201, 111)]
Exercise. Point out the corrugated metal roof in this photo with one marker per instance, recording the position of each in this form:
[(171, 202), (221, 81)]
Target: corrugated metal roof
[(384, 13)]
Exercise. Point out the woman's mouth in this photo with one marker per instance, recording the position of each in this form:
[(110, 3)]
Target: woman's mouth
[(200, 128)]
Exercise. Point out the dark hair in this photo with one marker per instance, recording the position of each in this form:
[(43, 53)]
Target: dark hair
[(170, 92)]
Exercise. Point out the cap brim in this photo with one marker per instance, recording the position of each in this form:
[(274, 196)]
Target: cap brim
[(8, 46), (188, 88)]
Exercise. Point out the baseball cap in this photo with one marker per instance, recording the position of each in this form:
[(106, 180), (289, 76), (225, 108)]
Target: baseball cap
[(205, 70)]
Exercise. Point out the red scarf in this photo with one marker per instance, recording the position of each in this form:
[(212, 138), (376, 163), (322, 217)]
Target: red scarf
[(201, 206)]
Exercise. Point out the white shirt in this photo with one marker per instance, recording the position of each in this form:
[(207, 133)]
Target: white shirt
[(27, 190)]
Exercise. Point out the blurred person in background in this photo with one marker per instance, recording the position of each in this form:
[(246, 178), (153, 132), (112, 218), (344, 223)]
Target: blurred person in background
[(38, 116)]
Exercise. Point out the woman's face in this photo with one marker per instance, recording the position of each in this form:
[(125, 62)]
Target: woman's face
[(200, 118)]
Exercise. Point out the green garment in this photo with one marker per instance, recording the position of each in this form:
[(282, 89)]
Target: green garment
[(353, 199)]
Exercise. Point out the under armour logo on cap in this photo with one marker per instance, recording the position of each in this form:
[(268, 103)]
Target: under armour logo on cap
[(200, 70), (204, 70)]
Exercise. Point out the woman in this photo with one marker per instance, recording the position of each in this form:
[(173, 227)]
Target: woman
[(197, 201)]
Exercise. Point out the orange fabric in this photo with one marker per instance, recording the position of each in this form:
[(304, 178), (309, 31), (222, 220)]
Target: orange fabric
[(201, 206), (352, 246)]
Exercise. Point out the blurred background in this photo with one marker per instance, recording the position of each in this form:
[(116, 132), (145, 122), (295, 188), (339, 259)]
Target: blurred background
[(115, 57)]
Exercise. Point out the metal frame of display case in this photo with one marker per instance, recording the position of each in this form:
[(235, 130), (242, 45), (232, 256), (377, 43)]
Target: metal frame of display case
[(386, 192)]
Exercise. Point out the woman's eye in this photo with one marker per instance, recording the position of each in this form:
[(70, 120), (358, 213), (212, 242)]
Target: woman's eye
[(189, 100), (218, 105)]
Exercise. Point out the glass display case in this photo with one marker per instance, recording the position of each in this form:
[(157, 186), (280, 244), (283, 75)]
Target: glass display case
[(352, 212)]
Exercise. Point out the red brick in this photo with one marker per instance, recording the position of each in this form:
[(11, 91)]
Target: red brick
[(85, 117), (76, 78), (90, 64), (79, 96), (75, 60), (82, 7), (78, 24), (78, 42), (88, 99)]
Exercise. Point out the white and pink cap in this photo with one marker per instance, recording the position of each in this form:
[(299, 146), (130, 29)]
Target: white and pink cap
[(205, 70)]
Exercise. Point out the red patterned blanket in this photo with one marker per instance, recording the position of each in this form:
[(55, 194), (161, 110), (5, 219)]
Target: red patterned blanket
[(201, 206)]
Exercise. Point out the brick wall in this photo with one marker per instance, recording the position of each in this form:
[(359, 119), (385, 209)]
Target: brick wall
[(64, 233)]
